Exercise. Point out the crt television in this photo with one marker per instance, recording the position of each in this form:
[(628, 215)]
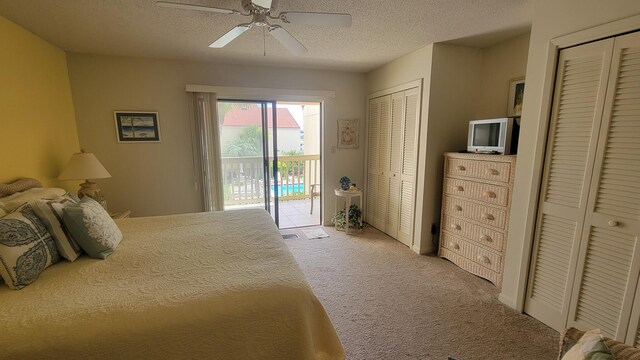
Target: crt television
[(497, 136)]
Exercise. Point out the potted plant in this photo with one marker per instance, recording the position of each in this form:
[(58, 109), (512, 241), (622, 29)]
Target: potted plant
[(340, 219)]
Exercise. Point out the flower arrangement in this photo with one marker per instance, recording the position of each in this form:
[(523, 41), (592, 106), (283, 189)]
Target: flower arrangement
[(340, 218), (344, 183)]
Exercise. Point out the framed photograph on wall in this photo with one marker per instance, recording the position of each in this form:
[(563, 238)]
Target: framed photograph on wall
[(137, 126), (516, 94), (348, 134)]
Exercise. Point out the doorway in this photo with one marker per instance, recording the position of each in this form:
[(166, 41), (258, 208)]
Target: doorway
[(279, 170)]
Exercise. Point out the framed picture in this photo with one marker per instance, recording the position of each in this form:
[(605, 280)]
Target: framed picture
[(516, 94), (348, 134), (137, 126)]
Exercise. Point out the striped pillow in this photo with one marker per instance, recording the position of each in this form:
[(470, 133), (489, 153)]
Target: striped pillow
[(50, 212)]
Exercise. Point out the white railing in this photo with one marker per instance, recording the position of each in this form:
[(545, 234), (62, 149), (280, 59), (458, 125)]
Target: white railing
[(243, 178)]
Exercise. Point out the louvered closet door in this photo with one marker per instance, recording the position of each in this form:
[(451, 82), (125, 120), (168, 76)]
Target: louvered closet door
[(383, 163), (409, 165), (395, 163), (581, 82), (373, 171), (609, 261)]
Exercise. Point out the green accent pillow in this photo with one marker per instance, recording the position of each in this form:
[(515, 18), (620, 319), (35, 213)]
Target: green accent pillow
[(92, 227), (591, 346), (26, 247)]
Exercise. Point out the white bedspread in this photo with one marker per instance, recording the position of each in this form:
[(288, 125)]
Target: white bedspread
[(208, 286)]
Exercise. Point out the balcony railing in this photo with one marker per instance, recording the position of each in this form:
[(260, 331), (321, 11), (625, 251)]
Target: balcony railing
[(244, 178)]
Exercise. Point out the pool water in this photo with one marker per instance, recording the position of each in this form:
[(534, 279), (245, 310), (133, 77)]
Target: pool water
[(294, 188)]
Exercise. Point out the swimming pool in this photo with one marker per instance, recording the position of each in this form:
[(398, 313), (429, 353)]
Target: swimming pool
[(288, 189)]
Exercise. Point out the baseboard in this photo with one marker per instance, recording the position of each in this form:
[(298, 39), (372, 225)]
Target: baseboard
[(510, 302)]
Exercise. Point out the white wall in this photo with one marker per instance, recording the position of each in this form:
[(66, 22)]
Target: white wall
[(500, 63), (158, 178), (551, 19), (413, 66), (451, 79)]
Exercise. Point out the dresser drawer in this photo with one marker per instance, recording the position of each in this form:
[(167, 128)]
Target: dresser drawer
[(484, 170), (472, 267), (486, 258), (491, 194), (480, 213), (474, 233)]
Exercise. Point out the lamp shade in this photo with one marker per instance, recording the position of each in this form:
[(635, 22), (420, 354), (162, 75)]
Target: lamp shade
[(84, 166)]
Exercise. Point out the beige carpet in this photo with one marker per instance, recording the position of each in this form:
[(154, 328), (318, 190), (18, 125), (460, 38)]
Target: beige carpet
[(387, 302)]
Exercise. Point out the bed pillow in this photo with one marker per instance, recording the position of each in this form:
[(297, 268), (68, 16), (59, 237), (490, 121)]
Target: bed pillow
[(26, 247), (92, 227), (590, 346), (50, 212), (9, 203)]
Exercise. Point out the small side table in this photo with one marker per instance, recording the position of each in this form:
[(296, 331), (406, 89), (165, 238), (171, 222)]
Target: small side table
[(120, 215), (348, 194)]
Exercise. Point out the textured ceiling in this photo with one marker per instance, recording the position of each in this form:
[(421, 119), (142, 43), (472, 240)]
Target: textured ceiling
[(382, 30)]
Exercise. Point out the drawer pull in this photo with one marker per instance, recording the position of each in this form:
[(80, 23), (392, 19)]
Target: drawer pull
[(488, 217), (456, 247), (460, 188), (458, 208), (456, 227), (493, 172), (613, 223), (490, 194), (483, 259), (461, 168), (486, 238)]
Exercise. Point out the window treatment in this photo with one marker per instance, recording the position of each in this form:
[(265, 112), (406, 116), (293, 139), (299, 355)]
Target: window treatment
[(207, 152)]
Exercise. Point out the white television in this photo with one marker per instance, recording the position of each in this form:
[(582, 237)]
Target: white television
[(493, 136)]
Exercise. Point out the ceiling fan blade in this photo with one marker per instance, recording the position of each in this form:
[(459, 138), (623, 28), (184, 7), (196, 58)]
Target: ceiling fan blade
[(287, 40), (262, 3), (195, 7), (313, 18), (230, 36)]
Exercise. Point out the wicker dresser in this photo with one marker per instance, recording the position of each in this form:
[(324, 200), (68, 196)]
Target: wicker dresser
[(476, 198)]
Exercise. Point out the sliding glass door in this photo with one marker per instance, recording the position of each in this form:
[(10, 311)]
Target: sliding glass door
[(249, 156), (271, 159)]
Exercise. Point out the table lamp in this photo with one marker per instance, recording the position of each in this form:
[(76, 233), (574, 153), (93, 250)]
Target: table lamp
[(85, 166)]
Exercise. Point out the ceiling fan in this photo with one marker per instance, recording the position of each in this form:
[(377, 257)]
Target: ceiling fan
[(261, 12)]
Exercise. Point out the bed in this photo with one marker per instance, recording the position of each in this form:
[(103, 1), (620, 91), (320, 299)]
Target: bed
[(219, 285)]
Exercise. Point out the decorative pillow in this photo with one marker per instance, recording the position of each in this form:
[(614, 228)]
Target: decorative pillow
[(18, 185), (26, 248), (50, 212), (591, 346), (9, 203), (92, 227)]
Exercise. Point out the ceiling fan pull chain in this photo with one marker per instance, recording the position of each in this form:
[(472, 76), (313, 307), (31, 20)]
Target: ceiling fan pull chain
[(264, 41)]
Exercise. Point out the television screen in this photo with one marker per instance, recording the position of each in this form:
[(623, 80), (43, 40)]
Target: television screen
[(486, 134)]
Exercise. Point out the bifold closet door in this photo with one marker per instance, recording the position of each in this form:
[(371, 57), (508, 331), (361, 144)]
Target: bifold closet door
[(378, 161), (408, 167), (578, 102), (609, 259), (373, 171), (395, 163)]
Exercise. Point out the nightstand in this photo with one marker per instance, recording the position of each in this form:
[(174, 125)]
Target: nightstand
[(120, 215)]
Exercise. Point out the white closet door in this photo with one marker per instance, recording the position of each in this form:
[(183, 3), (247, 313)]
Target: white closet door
[(395, 163), (609, 259), (409, 165), (373, 171), (383, 164), (575, 120)]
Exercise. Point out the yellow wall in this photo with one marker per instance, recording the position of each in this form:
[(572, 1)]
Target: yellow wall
[(37, 122)]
